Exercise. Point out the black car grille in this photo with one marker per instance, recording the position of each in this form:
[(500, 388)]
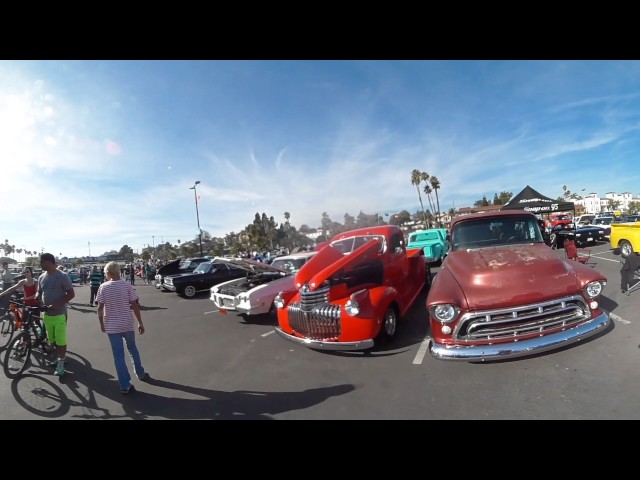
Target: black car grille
[(314, 317), (524, 320)]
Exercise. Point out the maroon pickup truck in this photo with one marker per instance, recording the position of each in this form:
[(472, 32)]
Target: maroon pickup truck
[(502, 292), (353, 291)]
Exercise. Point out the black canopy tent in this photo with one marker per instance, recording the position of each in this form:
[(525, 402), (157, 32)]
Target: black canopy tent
[(532, 201)]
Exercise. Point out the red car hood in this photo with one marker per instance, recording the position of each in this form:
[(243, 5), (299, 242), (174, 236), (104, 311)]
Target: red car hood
[(328, 261), (491, 276)]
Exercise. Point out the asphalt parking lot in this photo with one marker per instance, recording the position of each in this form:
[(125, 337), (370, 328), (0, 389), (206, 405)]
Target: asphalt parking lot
[(211, 366)]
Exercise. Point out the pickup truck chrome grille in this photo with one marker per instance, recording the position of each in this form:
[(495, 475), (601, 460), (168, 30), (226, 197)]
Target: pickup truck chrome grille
[(523, 320), (314, 317)]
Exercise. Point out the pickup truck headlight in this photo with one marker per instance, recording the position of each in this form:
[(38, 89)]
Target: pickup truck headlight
[(444, 313), (278, 301), (593, 289), (352, 308)]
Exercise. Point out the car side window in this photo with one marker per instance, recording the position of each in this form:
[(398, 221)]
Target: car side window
[(397, 242)]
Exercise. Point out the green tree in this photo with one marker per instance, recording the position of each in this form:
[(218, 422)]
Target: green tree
[(127, 252), (504, 197), (349, 222), (416, 179), (326, 223), (613, 204), (435, 184), (634, 207), (481, 203)]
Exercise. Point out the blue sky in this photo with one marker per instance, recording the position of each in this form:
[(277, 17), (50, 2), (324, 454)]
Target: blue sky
[(104, 152)]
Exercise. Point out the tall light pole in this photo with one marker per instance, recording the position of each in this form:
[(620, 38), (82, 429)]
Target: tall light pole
[(195, 196), (89, 243)]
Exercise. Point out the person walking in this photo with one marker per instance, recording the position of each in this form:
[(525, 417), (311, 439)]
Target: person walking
[(116, 300), (7, 282), (54, 291), (149, 274), (132, 275), (96, 279), (28, 284)]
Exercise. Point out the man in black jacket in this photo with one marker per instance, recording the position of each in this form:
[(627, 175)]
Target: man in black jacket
[(627, 273)]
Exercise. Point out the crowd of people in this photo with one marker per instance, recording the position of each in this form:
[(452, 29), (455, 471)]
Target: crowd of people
[(118, 310)]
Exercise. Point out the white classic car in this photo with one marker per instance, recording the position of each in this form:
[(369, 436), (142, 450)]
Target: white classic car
[(254, 294)]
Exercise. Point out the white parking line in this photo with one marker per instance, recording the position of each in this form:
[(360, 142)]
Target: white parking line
[(268, 333), (619, 319), (212, 311), (607, 259), (422, 351)]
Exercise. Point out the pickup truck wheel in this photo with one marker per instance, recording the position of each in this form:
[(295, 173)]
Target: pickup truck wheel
[(626, 250), (189, 291), (389, 324)]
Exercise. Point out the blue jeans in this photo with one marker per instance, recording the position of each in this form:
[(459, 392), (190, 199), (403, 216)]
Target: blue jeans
[(117, 347)]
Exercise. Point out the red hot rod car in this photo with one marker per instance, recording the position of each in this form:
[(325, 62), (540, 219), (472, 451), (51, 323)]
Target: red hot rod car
[(353, 291)]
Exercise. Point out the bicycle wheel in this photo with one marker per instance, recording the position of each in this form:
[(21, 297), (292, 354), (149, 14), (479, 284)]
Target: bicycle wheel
[(18, 355), (7, 327)]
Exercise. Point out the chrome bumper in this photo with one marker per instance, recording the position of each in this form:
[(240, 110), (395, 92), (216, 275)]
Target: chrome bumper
[(469, 353), (168, 287), (320, 345)]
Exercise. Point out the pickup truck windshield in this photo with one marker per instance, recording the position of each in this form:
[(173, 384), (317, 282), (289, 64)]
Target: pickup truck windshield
[(491, 232), (423, 237), (348, 245)]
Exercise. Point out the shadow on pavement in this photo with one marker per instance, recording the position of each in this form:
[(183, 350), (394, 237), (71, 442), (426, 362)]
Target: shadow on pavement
[(218, 405), (43, 396)]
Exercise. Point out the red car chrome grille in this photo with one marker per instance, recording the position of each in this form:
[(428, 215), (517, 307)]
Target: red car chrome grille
[(314, 317), (523, 320)]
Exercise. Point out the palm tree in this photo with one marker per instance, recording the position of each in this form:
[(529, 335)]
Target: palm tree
[(435, 184), (416, 178), (428, 191)]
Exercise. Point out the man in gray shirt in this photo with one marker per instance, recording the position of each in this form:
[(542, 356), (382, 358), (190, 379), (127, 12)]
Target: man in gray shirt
[(55, 290)]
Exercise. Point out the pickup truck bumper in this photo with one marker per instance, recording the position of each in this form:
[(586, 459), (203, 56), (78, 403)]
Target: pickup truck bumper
[(320, 345), (500, 351), (171, 288)]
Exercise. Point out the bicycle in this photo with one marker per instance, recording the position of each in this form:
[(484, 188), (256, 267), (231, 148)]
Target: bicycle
[(9, 320), (33, 336)]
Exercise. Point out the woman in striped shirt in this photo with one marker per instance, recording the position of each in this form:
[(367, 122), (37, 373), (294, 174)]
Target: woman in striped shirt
[(116, 300)]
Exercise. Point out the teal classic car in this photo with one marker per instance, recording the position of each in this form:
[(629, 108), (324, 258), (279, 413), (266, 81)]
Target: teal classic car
[(433, 242), (74, 275)]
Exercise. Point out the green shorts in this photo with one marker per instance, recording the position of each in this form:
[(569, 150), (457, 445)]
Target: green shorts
[(56, 329)]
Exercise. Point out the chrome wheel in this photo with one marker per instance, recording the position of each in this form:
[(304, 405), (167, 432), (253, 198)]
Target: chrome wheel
[(626, 250), (389, 324), (190, 291)]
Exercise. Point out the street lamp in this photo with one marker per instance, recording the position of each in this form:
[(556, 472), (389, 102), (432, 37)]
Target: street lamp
[(195, 196)]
